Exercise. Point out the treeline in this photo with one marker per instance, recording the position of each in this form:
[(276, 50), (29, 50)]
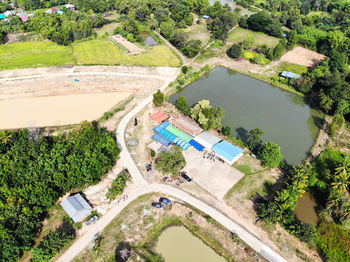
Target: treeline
[(65, 28), (35, 171), (328, 179)]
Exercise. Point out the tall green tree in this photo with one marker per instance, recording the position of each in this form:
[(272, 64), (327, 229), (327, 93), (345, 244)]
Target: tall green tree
[(270, 155), (158, 98), (171, 162)]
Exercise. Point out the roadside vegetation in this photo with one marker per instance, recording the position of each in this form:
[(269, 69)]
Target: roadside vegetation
[(37, 170)]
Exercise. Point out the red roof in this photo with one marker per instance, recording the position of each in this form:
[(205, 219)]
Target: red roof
[(240, 59), (159, 117), (186, 124)]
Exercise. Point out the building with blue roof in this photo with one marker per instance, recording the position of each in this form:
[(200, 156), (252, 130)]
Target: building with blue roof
[(162, 126), (228, 152), (161, 139), (185, 146), (196, 145), (290, 75)]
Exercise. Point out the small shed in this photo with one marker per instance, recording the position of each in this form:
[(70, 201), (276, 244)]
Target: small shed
[(69, 6), (207, 139), (24, 18), (179, 133), (186, 124), (159, 117), (76, 207), (206, 16), (290, 75), (228, 151)]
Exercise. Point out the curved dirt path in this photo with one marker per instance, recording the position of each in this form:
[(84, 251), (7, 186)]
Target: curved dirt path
[(143, 187)]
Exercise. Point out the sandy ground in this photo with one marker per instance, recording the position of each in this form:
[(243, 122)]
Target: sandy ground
[(133, 49), (302, 56), (56, 110), (216, 177)]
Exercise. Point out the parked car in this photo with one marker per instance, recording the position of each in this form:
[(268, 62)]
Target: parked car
[(92, 219), (158, 205), (165, 201), (186, 177)]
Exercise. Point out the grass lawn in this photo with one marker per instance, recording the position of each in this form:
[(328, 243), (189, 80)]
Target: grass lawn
[(34, 54), (108, 28), (104, 52), (239, 34), (199, 32), (297, 69)]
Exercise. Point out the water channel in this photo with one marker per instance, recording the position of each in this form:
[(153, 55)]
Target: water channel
[(148, 39), (285, 118), (177, 244)]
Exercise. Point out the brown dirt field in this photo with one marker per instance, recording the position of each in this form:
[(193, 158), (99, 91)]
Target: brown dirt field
[(56, 110), (302, 56)]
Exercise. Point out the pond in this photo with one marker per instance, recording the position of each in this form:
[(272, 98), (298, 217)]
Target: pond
[(285, 118), (148, 39), (177, 244), (305, 209)]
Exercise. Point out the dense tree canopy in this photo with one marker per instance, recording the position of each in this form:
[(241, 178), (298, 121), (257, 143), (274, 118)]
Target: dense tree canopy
[(270, 155), (171, 162), (158, 98), (209, 117), (35, 171)]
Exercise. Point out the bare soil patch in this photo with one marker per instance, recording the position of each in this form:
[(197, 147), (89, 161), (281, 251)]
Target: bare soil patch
[(302, 56), (132, 48)]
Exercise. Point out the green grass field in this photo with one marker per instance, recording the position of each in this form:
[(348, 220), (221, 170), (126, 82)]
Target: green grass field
[(104, 52), (239, 34), (91, 52), (108, 28), (254, 57), (298, 69), (34, 54), (199, 32)]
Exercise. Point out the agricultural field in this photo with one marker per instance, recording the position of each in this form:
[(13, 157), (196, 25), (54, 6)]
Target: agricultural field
[(34, 54), (239, 34), (199, 32)]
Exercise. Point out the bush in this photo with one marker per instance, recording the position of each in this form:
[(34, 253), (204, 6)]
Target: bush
[(270, 155), (158, 98), (192, 48), (184, 69), (234, 51), (118, 186)]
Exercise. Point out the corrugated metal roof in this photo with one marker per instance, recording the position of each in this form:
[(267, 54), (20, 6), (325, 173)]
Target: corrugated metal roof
[(76, 207), (161, 139), (186, 124), (161, 127), (179, 133), (207, 139), (159, 117), (290, 75), (196, 145), (168, 135), (178, 141), (227, 151)]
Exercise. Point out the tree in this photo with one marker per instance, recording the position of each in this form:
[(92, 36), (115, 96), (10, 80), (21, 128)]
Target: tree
[(278, 51), (171, 162), (207, 116), (122, 252), (234, 51), (270, 155), (182, 105), (178, 39), (167, 28), (254, 139), (192, 48), (158, 98), (341, 180), (227, 131)]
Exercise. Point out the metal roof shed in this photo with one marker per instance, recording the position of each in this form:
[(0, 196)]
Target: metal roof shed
[(179, 133), (161, 139), (207, 139), (228, 151), (168, 135), (290, 75), (161, 127), (76, 207), (178, 141), (186, 124), (196, 145)]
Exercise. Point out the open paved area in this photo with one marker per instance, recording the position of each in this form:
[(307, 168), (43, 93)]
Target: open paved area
[(214, 176)]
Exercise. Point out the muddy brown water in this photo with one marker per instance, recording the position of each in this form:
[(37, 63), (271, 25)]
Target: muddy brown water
[(177, 244), (285, 118), (305, 209)]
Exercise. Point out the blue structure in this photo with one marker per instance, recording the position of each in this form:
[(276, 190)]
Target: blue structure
[(196, 145), (168, 135), (228, 151), (178, 141), (2, 16), (161, 139), (290, 75), (161, 126)]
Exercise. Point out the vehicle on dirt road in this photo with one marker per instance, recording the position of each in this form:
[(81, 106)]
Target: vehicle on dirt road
[(186, 177), (92, 219)]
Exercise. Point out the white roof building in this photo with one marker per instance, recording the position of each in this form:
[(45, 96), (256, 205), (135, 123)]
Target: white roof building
[(69, 6), (208, 140), (76, 207)]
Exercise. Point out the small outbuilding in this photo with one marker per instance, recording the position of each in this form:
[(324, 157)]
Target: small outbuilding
[(290, 75), (228, 151), (160, 127), (196, 145), (208, 140), (161, 139), (206, 16), (76, 207), (159, 117)]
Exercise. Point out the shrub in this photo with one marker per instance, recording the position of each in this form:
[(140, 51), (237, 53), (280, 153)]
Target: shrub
[(234, 51), (118, 186), (158, 98), (270, 155), (184, 69)]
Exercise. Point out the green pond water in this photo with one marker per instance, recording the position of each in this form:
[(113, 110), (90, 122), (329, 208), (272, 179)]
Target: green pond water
[(177, 244), (285, 118)]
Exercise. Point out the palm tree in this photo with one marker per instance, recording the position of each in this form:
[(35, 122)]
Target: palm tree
[(342, 177), (5, 137)]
